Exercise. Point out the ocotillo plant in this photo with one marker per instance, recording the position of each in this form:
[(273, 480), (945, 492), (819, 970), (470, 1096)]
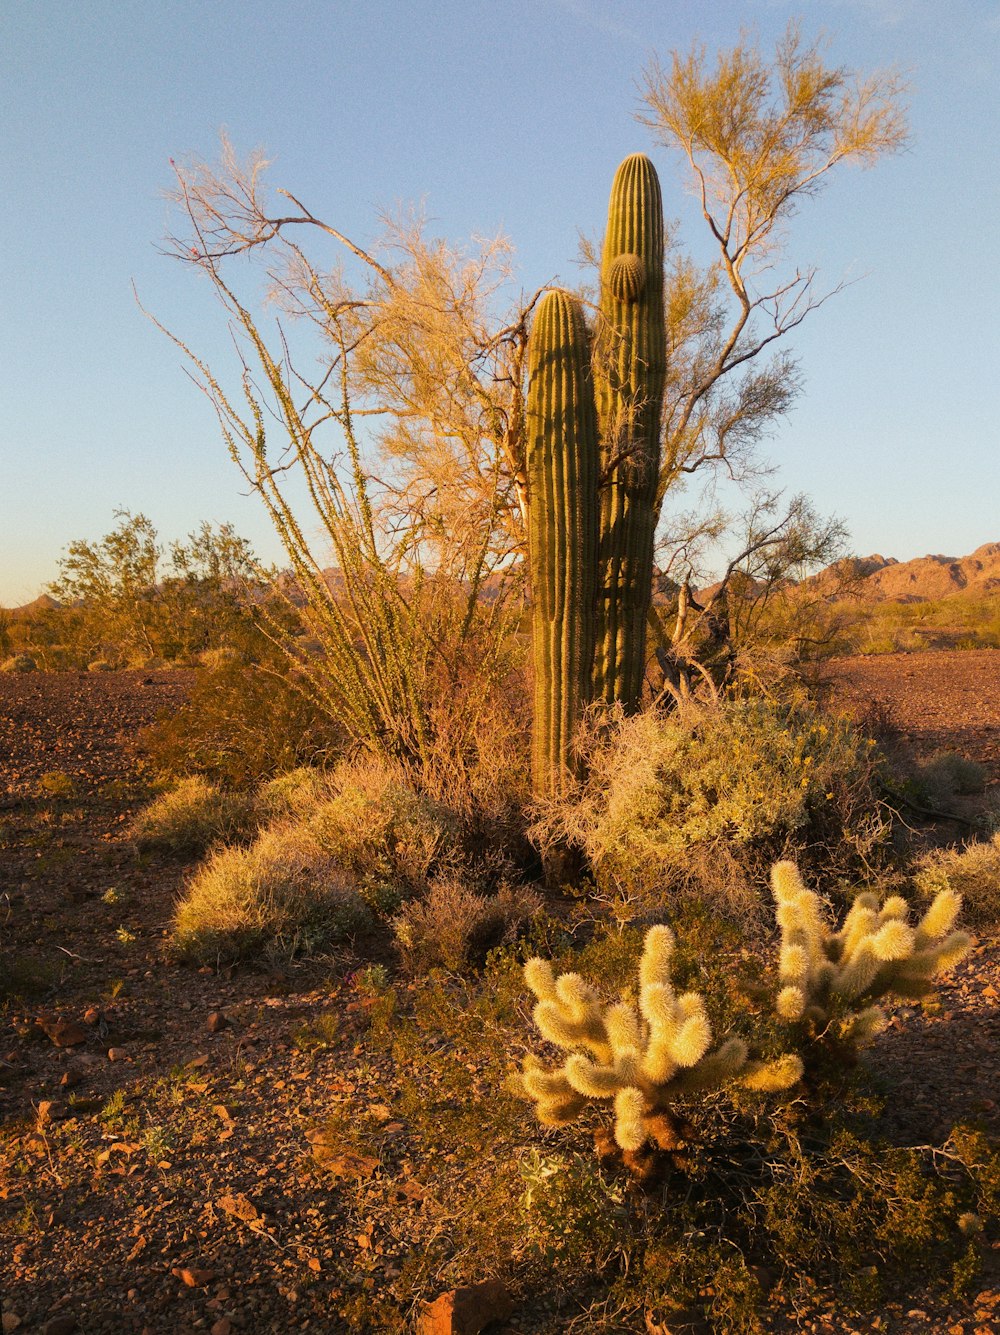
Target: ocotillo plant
[(641, 1059), (561, 459), (630, 372)]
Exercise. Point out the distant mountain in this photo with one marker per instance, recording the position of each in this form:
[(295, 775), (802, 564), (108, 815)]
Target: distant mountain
[(43, 603), (926, 578)]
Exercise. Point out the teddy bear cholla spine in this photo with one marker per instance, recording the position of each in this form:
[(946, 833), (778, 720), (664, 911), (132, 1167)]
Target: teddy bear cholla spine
[(876, 952), (643, 1058)]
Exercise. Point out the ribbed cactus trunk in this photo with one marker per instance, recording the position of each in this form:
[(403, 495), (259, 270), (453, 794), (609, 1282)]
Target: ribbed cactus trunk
[(562, 463), (630, 371)]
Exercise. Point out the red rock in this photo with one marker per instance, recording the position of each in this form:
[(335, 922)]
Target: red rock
[(466, 1311), (217, 1022), (223, 1326), (92, 1015), (116, 1054), (193, 1277), (64, 1033)]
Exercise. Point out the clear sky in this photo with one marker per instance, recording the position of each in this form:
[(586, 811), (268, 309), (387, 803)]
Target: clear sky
[(496, 114)]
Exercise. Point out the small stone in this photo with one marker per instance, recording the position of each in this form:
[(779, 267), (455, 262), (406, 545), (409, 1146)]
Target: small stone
[(60, 1325), (71, 1077), (65, 1033), (223, 1326), (116, 1054), (466, 1311), (192, 1276), (92, 1015), (216, 1022), (11, 1321)]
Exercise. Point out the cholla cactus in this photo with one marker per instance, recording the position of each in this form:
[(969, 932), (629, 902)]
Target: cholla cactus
[(641, 1059), (833, 978)]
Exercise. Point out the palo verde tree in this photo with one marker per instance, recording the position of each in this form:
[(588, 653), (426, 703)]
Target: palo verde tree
[(412, 440)]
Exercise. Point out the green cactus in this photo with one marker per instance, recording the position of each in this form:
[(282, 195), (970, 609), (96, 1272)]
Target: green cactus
[(832, 980), (630, 371), (562, 459), (641, 1059)]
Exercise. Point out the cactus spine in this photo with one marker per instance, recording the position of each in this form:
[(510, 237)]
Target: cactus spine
[(561, 457), (630, 370)]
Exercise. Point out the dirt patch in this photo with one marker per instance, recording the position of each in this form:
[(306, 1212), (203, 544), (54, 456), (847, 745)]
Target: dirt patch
[(939, 700)]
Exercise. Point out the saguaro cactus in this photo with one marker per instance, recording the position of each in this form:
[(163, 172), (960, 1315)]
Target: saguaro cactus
[(561, 457), (630, 371)]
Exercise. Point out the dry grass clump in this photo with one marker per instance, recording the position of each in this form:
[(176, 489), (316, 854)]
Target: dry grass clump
[(189, 818), (454, 928), (734, 784), (289, 794), (283, 892), (972, 872)]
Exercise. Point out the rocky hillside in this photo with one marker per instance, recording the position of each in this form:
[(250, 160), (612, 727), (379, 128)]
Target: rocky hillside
[(928, 578)]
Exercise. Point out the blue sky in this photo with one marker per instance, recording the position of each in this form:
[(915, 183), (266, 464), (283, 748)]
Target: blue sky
[(506, 116)]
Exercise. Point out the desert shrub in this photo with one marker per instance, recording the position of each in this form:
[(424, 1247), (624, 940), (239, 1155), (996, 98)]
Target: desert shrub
[(946, 774), (188, 818), (19, 663), (242, 722), (284, 892), (748, 780), (289, 794), (375, 823), (972, 872), (453, 927), (101, 665)]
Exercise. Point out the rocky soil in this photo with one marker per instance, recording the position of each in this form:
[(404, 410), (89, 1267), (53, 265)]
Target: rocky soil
[(165, 1153)]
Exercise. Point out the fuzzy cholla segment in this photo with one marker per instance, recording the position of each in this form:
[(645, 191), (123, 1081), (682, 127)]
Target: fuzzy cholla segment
[(876, 952), (640, 1058)]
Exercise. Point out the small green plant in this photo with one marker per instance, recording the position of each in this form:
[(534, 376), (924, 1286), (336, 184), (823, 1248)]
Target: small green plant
[(643, 1059), (57, 783), (126, 937), (112, 895), (319, 1034), (831, 980)]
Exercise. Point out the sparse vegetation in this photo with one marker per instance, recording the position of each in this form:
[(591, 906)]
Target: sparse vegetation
[(189, 817), (972, 872), (282, 893)]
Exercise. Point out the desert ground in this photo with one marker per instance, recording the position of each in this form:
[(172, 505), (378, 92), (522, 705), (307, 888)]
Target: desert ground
[(166, 1163)]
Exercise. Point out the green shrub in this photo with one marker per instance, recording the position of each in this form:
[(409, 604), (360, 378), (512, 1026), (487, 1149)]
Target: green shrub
[(453, 927), (972, 872), (671, 798), (189, 818), (289, 794), (283, 892)]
